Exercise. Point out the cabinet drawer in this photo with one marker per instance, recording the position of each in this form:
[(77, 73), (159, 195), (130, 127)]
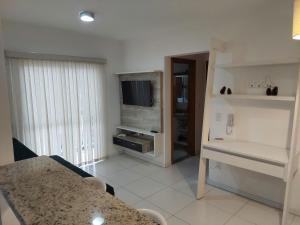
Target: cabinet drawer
[(128, 144)]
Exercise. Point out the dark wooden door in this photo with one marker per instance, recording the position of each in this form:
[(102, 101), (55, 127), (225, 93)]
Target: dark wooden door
[(190, 111)]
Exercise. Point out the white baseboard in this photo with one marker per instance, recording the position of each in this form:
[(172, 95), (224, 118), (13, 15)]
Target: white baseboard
[(251, 196), (295, 212), (245, 194)]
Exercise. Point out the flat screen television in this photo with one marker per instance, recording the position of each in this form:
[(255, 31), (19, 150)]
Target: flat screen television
[(137, 92)]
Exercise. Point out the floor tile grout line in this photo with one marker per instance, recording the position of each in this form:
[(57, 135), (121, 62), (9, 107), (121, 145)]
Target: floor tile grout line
[(148, 176), (181, 219), (109, 178), (153, 180), (184, 193), (179, 190), (225, 210), (165, 187), (143, 176), (171, 186), (261, 208), (185, 207), (132, 194), (235, 214), (147, 196), (173, 214), (155, 206), (294, 219), (122, 186), (195, 194), (123, 167), (231, 215), (147, 199), (163, 183)]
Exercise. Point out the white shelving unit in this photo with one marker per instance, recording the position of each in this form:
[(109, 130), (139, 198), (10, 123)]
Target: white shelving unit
[(263, 138), (156, 139)]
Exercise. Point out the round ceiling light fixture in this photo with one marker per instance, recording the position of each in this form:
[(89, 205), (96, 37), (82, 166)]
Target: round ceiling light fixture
[(87, 16)]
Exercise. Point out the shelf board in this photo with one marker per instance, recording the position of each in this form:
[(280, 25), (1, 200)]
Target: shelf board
[(257, 97), (252, 150), (181, 75), (138, 72), (259, 63), (137, 130)]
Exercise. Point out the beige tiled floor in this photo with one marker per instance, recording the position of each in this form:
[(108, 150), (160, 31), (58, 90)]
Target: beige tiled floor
[(171, 191)]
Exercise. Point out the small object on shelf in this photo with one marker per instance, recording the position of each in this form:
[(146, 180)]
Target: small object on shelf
[(275, 91), (269, 91), (229, 92), (222, 91)]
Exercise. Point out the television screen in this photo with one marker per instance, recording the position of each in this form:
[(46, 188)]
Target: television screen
[(138, 92)]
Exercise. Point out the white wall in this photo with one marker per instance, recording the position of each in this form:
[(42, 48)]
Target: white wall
[(6, 152), (27, 38), (264, 36)]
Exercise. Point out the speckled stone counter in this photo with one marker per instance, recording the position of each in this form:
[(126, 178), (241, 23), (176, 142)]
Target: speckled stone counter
[(40, 191)]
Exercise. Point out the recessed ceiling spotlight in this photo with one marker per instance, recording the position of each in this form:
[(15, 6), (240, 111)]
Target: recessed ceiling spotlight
[(87, 16)]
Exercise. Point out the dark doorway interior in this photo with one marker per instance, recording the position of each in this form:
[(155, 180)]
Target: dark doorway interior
[(188, 91)]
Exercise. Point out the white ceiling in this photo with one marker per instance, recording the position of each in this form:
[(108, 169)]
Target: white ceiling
[(125, 19)]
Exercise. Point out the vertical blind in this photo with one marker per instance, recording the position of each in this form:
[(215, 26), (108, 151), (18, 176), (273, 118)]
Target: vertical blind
[(58, 107)]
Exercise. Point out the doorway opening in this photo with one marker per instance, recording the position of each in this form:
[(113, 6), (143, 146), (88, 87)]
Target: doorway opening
[(188, 84)]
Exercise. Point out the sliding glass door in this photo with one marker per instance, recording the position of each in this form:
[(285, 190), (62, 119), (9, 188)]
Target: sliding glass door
[(58, 107)]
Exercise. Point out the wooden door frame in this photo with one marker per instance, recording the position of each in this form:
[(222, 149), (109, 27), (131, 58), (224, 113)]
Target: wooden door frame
[(167, 142), (191, 107)]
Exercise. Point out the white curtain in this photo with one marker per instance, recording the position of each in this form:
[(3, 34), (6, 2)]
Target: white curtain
[(58, 107)]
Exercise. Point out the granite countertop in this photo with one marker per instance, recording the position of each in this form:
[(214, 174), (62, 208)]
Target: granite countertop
[(42, 192)]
